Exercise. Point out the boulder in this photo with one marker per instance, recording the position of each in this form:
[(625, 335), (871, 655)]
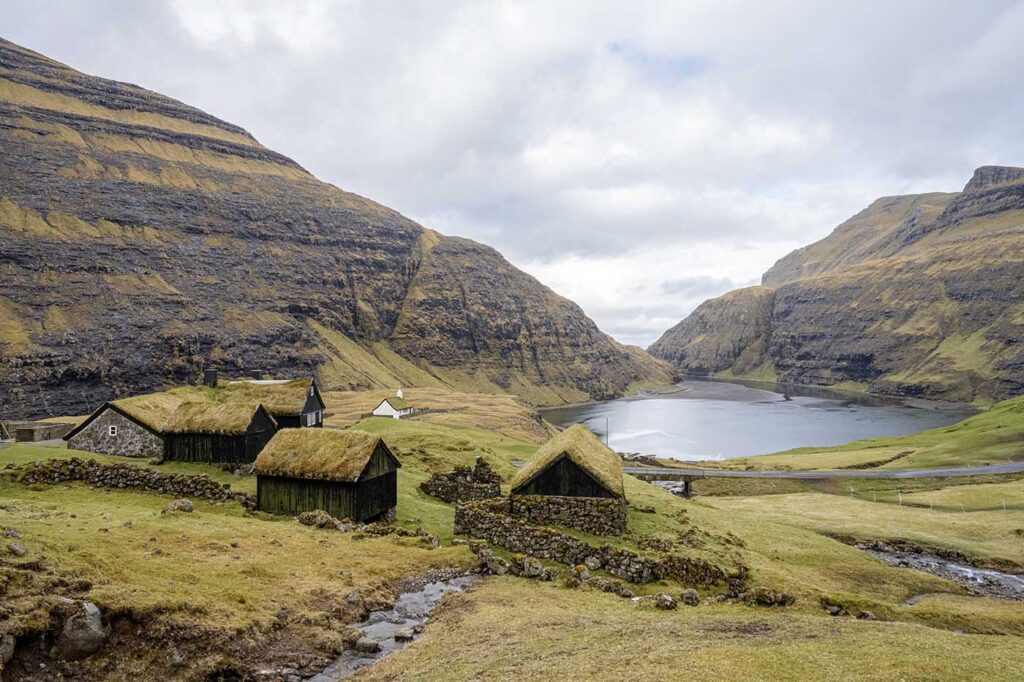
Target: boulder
[(84, 633), (179, 505), (665, 602), (690, 597), (366, 645), (16, 549), (404, 635)]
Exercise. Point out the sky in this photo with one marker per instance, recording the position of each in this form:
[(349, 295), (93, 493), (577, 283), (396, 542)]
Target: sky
[(636, 157)]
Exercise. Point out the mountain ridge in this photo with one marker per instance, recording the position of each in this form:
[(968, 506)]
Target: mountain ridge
[(916, 295), (142, 239)]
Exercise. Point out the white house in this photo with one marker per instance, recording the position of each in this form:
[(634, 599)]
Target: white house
[(396, 407)]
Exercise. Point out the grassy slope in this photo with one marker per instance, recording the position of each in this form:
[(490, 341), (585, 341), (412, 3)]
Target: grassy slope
[(511, 629), (991, 437)]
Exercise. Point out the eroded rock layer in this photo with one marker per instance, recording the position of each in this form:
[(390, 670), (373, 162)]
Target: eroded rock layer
[(142, 239)]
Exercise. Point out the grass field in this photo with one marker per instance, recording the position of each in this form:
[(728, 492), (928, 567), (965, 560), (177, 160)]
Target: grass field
[(229, 574), (992, 437)]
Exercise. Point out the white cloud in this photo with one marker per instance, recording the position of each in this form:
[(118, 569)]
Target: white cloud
[(607, 149)]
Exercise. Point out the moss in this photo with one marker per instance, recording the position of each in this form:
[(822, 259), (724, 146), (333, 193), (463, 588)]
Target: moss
[(232, 418)]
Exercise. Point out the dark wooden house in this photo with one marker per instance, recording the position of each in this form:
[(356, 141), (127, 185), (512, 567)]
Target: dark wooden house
[(222, 433), (349, 474), (575, 463), (293, 404)]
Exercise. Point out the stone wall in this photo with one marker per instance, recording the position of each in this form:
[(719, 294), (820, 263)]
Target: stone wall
[(464, 484), (131, 440), (597, 515), (491, 520), (128, 476), (33, 432)]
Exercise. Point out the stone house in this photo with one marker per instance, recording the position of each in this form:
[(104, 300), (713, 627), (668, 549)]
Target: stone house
[(573, 480), (132, 427), (347, 473)]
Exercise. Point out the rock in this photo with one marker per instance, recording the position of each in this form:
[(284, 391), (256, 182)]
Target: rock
[(690, 597), (179, 505), (835, 609), (177, 660), (16, 549), (84, 633), (318, 519), (593, 562), (366, 645), (11, 533), (404, 635), (665, 602), (866, 615), (354, 597), (7, 644)]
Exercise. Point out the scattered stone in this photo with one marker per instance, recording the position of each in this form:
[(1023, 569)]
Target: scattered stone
[(83, 634), (127, 524), (365, 645), (459, 542), (834, 609), (179, 505), (762, 596), (177, 660), (16, 549), (404, 635), (690, 597), (354, 597), (665, 602), (866, 615), (11, 533), (234, 543)]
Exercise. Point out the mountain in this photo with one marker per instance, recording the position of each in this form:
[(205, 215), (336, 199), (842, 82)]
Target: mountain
[(142, 239), (917, 295)]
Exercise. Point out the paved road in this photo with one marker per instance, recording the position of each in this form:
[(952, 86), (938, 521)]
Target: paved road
[(669, 473)]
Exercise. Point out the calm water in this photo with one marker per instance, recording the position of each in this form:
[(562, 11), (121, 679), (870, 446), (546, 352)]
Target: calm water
[(719, 420)]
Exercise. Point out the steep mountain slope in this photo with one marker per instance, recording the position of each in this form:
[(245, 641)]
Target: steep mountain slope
[(918, 295), (141, 239)]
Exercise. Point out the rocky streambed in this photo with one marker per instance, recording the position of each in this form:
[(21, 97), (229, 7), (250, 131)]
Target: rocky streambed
[(980, 581), (389, 630)]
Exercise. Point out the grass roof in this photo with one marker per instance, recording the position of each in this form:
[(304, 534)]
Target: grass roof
[(328, 454), (284, 398), (205, 417), (152, 410), (585, 450), (398, 403)]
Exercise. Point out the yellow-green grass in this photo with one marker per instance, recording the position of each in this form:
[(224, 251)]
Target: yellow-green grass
[(992, 437), (989, 536), (504, 414), (508, 628), (112, 538), (989, 496)]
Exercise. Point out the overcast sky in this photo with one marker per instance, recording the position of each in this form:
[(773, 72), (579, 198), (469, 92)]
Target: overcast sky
[(637, 157)]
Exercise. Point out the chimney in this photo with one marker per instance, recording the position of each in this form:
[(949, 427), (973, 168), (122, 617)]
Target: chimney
[(399, 394), (210, 378)]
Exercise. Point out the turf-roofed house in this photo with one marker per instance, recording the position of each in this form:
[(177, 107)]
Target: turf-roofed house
[(131, 427), (573, 480), (220, 433), (294, 403), (395, 407), (349, 474)]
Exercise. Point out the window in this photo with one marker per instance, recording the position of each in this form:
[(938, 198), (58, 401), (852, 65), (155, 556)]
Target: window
[(111, 430)]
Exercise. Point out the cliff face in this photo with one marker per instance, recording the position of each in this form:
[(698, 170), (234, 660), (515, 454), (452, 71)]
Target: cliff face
[(141, 239), (919, 295)]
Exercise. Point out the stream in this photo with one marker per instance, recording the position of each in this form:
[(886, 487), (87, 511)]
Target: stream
[(980, 581), (410, 612)]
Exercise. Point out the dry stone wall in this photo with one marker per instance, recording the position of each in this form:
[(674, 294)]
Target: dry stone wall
[(597, 515), (464, 484), (131, 440), (491, 520), (128, 476)]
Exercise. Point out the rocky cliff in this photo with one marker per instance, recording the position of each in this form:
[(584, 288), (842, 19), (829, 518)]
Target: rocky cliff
[(917, 295), (141, 239)]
